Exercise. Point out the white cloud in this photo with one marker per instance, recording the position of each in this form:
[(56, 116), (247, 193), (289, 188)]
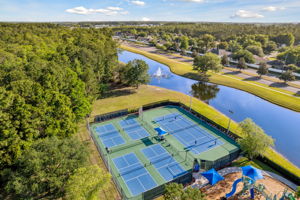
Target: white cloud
[(195, 1), (246, 14), (145, 19), (124, 12), (272, 8), (138, 3), (87, 11), (80, 10), (114, 8)]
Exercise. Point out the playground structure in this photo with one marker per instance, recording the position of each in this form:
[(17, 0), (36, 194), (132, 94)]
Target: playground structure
[(249, 177)]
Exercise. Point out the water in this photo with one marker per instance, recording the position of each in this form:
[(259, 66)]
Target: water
[(281, 123)]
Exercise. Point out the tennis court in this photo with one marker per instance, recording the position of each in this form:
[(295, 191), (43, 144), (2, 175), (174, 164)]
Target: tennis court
[(133, 129), (136, 177), (109, 135), (165, 164), (141, 162), (191, 135)]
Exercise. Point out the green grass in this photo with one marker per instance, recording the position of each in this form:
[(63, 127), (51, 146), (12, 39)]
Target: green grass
[(273, 95), (129, 98), (94, 158), (243, 161)]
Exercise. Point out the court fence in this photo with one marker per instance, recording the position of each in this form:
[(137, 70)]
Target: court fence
[(150, 194), (183, 179), (134, 110), (205, 164)]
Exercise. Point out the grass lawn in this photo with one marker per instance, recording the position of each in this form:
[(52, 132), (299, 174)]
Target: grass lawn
[(243, 161), (273, 95), (94, 158), (131, 98), (266, 78)]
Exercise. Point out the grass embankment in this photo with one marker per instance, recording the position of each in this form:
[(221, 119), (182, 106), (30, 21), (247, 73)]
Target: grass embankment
[(126, 98), (268, 78), (265, 77), (278, 97)]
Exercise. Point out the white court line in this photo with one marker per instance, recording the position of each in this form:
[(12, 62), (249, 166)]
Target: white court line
[(141, 184)]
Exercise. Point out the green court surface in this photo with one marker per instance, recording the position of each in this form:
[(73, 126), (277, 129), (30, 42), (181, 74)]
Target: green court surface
[(141, 162)]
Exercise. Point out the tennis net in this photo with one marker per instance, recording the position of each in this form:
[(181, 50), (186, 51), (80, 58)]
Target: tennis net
[(162, 158), (107, 133), (125, 146), (211, 140), (175, 115), (131, 127), (183, 128), (131, 169)]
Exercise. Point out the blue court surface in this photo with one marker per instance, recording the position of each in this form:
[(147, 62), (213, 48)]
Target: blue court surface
[(133, 129), (109, 135), (136, 177), (165, 164), (188, 133)]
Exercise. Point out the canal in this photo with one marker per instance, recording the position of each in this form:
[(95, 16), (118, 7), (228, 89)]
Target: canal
[(280, 123)]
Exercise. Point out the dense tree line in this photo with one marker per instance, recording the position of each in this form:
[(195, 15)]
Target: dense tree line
[(222, 31), (242, 40), (49, 76)]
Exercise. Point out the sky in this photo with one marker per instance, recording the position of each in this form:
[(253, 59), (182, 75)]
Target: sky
[(280, 11)]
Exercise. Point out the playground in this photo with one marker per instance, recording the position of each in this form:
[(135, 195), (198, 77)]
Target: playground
[(243, 183), (223, 187)]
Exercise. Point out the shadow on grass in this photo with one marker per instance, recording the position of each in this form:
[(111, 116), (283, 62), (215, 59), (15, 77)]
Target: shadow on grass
[(297, 94), (252, 78), (232, 72), (197, 76), (243, 161), (278, 84), (119, 92)]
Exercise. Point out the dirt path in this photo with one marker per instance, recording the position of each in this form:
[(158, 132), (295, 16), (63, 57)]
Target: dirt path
[(246, 74)]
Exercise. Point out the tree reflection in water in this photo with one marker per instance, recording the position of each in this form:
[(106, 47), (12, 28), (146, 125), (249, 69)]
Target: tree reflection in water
[(204, 91)]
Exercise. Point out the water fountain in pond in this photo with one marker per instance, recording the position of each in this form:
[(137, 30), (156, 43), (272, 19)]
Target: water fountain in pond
[(161, 74)]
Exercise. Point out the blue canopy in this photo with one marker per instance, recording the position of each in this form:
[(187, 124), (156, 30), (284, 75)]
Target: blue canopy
[(252, 172), (212, 176), (160, 131)]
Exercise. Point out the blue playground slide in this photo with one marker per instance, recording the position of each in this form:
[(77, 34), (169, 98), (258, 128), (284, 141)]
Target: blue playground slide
[(233, 188), (252, 193)]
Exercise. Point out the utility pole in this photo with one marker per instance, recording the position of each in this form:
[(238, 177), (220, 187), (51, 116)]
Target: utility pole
[(190, 102), (231, 112)]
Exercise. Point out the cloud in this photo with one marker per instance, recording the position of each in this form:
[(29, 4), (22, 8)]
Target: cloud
[(272, 8), (145, 19), (194, 1), (246, 14), (114, 8), (138, 3), (124, 12), (87, 11)]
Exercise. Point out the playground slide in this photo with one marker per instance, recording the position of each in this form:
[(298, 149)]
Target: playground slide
[(252, 193), (233, 188), (291, 197)]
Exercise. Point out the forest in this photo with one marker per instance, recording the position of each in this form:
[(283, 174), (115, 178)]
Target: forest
[(49, 77), (277, 44), (222, 31)]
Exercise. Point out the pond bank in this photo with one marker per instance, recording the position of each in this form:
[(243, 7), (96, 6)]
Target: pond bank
[(186, 70)]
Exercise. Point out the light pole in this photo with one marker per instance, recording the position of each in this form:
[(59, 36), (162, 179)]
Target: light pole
[(231, 112), (190, 102)]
